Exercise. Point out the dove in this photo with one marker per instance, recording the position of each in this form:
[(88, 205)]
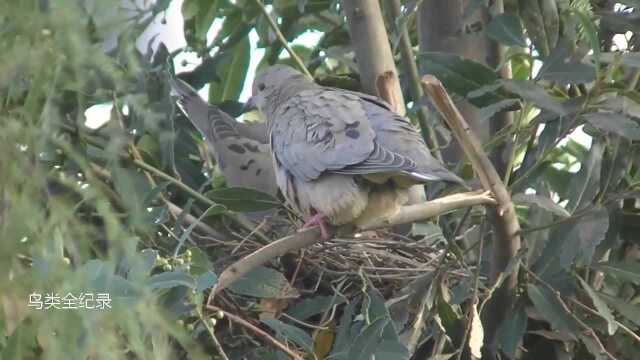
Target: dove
[(340, 156), (240, 149)]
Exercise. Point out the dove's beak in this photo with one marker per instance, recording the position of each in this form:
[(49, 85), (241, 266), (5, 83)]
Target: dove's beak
[(250, 105)]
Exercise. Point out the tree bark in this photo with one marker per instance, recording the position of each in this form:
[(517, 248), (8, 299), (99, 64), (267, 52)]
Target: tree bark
[(378, 72), (443, 27), (373, 52)]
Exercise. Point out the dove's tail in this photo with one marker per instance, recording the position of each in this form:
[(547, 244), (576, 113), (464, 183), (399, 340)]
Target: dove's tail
[(442, 175), (187, 96)]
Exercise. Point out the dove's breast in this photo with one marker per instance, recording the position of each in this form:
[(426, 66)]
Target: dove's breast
[(336, 196)]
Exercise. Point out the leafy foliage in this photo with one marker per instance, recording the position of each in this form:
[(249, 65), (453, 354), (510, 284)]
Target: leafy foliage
[(138, 210)]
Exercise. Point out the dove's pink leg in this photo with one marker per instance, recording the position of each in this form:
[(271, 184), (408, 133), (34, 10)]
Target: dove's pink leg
[(318, 220)]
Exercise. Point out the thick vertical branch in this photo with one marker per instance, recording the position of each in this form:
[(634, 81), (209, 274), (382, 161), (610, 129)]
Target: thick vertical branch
[(411, 69), (373, 52), (507, 241), (443, 27), (375, 60)]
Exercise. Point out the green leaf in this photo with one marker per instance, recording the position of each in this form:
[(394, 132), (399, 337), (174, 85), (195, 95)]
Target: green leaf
[(504, 105), (622, 270), (264, 282), (198, 16), (540, 18), (512, 330), (601, 307), (313, 306), (243, 199), (507, 29), (541, 202), (627, 310), (587, 182), (367, 341), (289, 332), (168, 280), (574, 240), (200, 263), (234, 66), (561, 67), (343, 340), (614, 123), (206, 281), (462, 76), (631, 59), (551, 310), (535, 94), (590, 31)]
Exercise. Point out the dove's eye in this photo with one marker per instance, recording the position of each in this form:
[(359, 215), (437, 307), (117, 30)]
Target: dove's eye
[(261, 87)]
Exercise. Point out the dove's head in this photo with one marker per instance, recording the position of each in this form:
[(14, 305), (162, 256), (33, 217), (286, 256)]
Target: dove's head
[(273, 85)]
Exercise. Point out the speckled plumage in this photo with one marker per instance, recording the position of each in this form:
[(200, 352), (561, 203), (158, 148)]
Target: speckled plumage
[(243, 159)]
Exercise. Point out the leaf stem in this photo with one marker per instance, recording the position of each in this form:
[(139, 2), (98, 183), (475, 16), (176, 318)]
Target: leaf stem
[(283, 40)]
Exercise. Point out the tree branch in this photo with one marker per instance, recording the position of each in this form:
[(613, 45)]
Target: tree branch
[(507, 240), (373, 52), (311, 236), (411, 69), (283, 40)]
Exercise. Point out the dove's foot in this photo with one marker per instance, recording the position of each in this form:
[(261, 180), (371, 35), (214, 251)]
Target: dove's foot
[(318, 220)]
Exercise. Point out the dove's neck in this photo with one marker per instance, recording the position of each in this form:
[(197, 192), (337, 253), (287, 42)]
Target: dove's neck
[(281, 94)]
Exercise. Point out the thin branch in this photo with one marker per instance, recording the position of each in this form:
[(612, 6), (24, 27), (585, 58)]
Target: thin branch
[(586, 328), (240, 321), (311, 236), (283, 40)]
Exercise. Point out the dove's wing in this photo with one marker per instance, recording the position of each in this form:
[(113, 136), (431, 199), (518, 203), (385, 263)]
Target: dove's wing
[(395, 133), (325, 131), (243, 161)]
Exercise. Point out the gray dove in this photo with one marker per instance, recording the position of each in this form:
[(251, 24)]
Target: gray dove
[(241, 151), (340, 156)]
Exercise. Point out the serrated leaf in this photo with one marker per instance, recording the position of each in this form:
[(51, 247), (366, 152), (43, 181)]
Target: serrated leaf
[(243, 199), (234, 65), (551, 310), (601, 307), (622, 270), (168, 280), (583, 236), (264, 282), (290, 332), (507, 29), (629, 311), (462, 76), (541, 202), (614, 123)]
